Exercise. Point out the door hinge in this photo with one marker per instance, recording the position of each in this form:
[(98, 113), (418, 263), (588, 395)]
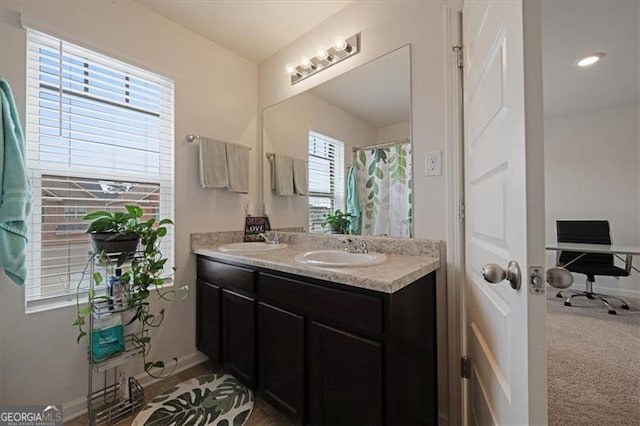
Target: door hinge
[(459, 58), (465, 367), (461, 211)]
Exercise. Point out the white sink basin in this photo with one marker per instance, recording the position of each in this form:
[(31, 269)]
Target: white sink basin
[(254, 246), (340, 258)]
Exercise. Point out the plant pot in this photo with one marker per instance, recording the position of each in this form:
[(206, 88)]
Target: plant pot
[(337, 229), (115, 243)]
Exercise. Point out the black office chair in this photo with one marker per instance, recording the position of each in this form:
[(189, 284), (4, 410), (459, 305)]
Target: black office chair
[(590, 264)]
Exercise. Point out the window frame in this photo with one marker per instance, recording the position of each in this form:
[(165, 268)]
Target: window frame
[(35, 301), (337, 181)]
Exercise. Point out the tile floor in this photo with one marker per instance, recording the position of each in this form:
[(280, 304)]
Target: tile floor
[(263, 414)]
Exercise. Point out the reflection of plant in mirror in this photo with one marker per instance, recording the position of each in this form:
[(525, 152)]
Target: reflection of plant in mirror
[(338, 221)]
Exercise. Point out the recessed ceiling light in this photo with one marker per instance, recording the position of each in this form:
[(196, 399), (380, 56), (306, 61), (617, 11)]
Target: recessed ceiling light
[(590, 59)]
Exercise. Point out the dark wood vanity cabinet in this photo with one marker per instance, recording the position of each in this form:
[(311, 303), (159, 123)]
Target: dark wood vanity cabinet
[(345, 378), (238, 336), (320, 352), (281, 359), (226, 320), (208, 299)]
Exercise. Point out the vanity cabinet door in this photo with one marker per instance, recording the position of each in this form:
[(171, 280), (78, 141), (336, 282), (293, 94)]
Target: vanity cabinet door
[(345, 378), (281, 355), (208, 320), (238, 336)]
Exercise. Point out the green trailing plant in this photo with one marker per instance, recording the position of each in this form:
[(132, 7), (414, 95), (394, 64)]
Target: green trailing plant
[(118, 222), (146, 272), (338, 221)]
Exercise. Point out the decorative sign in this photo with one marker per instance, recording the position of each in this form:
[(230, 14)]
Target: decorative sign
[(255, 225)]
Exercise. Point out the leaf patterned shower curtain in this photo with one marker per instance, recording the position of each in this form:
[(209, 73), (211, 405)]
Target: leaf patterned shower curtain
[(384, 184)]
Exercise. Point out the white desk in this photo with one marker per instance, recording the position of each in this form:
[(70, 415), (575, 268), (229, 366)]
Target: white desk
[(595, 248), (627, 251)]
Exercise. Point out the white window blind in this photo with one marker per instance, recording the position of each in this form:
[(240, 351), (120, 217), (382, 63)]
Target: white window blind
[(326, 178), (99, 136)]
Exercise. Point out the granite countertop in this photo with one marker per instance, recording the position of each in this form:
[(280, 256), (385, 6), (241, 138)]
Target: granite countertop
[(407, 260)]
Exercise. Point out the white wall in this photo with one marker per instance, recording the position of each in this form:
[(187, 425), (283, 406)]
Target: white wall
[(394, 132), (592, 171), (286, 131), (384, 26), (215, 95)]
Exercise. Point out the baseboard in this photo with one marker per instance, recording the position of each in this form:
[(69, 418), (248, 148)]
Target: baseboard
[(75, 408), (78, 407), (631, 296)]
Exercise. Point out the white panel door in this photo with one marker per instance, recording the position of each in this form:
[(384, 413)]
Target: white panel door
[(505, 336)]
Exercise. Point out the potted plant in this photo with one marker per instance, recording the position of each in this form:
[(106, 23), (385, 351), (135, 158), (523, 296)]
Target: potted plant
[(146, 271), (115, 232), (338, 222)]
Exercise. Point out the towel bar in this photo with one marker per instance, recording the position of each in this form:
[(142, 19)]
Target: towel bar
[(271, 155), (192, 138)]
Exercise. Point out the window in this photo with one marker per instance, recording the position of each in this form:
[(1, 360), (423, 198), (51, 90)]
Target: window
[(326, 178), (99, 136)]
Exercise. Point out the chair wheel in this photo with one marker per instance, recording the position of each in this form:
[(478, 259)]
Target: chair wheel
[(567, 303), (559, 295), (625, 307), (612, 312)]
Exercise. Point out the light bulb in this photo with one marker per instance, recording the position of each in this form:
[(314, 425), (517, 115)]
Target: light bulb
[(290, 68), (304, 61), (339, 43), (322, 53)]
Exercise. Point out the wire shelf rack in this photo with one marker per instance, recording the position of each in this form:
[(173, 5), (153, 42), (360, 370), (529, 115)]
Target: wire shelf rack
[(107, 407)]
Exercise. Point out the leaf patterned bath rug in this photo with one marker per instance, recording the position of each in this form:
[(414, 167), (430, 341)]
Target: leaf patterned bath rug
[(213, 399)]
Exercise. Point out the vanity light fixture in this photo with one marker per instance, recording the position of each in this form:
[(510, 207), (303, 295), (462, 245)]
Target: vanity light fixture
[(340, 50), (590, 59)]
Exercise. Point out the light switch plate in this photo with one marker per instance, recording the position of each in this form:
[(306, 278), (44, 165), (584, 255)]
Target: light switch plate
[(433, 163)]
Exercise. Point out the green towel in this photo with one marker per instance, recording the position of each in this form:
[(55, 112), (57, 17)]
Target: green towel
[(353, 201), (15, 190)]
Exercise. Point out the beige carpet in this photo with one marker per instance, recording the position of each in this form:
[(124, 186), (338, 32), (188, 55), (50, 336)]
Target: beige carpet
[(593, 364)]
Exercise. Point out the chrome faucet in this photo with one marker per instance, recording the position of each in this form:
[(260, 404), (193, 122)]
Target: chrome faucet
[(270, 238), (351, 246)]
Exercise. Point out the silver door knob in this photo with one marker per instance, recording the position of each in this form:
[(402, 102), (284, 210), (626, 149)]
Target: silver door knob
[(559, 277), (496, 274)]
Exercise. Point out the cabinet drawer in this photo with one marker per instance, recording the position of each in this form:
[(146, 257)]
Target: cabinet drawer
[(226, 275), (349, 309)]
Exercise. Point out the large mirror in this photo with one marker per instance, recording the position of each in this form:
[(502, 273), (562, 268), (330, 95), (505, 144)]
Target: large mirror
[(346, 145)]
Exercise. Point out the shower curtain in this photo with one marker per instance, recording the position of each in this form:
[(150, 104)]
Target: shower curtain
[(384, 183)]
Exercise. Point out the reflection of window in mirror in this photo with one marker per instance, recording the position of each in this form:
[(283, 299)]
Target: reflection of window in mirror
[(326, 178)]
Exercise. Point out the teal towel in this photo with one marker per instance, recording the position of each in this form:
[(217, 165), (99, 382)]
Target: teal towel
[(353, 201), (15, 190)]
